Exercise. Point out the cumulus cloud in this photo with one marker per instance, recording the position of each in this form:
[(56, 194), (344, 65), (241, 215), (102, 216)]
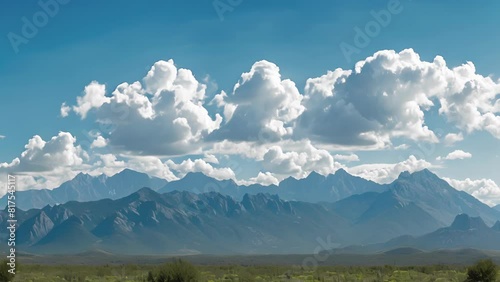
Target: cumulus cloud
[(262, 106), (456, 155), (99, 142), (94, 97), (165, 116), (485, 190), (202, 166), (382, 97), (299, 162), (46, 164), (452, 138), (41, 156), (347, 158), (387, 94), (209, 158), (386, 173), (265, 178), (65, 110)]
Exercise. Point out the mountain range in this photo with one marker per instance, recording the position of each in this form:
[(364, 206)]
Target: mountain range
[(465, 232), (85, 188), (198, 214)]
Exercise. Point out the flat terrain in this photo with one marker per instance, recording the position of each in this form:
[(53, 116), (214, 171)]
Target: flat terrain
[(397, 257), (396, 265)]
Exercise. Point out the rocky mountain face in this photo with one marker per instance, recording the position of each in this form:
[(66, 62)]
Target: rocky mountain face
[(198, 214)]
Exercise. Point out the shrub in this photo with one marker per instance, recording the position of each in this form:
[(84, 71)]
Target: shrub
[(483, 271), (177, 271)]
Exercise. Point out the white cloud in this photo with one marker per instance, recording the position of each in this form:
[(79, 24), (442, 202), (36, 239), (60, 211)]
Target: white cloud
[(485, 190), (94, 97), (456, 155), (211, 159), (46, 164), (99, 142), (402, 147), (110, 164), (262, 107), (299, 162), (165, 117), (42, 156), (347, 158), (200, 165), (265, 178), (452, 138), (470, 100), (386, 173), (65, 109), (382, 97), (387, 95)]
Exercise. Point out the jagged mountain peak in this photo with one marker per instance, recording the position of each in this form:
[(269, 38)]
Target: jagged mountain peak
[(315, 176), (129, 173), (418, 175), (144, 193), (82, 177), (465, 222), (342, 172)]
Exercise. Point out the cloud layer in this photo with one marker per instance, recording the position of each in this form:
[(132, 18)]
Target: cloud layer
[(384, 100)]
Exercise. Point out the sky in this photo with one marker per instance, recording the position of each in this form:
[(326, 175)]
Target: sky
[(254, 91)]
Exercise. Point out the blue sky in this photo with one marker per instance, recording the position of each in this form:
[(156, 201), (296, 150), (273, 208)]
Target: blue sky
[(112, 42)]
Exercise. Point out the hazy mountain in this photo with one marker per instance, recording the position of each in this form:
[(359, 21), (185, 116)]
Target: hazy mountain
[(497, 207), (201, 214), (438, 198), (84, 188), (148, 222), (313, 188), (464, 232)]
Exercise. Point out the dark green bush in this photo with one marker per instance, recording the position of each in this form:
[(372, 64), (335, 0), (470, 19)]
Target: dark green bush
[(177, 271), (483, 271)]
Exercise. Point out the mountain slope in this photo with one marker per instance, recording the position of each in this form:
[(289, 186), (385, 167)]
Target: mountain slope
[(464, 232), (438, 198)]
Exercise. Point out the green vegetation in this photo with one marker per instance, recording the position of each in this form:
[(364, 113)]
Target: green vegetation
[(177, 271), (484, 271), (180, 271)]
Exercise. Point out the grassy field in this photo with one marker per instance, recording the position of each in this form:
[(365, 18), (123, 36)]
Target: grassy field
[(41, 273), (98, 266)]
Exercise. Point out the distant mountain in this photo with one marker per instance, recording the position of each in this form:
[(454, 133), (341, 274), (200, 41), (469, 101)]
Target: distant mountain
[(497, 207), (176, 222), (84, 188), (314, 188), (438, 198), (147, 222), (377, 217), (464, 232)]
